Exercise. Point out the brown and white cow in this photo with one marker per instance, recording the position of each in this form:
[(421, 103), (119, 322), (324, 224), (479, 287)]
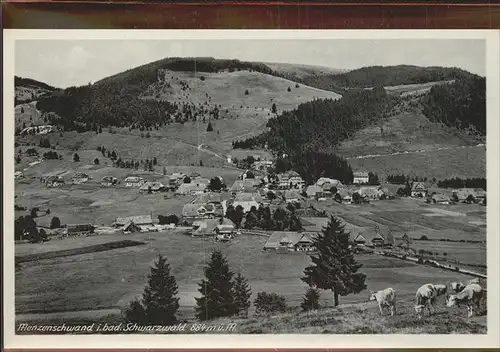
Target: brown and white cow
[(471, 295), (385, 298), (442, 291), (425, 297), (457, 286)]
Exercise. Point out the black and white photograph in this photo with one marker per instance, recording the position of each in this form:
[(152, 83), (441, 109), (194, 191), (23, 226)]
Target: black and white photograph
[(252, 185)]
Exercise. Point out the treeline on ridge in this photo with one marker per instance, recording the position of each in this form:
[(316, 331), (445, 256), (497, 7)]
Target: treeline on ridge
[(456, 182), (372, 76), (28, 82), (461, 104)]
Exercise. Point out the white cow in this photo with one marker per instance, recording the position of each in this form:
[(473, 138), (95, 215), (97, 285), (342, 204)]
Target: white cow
[(425, 297), (442, 290), (473, 281), (385, 298), (471, 295)]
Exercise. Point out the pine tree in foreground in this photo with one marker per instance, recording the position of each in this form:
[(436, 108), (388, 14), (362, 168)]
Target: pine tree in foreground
[(241, 294), (310, 300), (216, 290), (334, 267), (159, 303)]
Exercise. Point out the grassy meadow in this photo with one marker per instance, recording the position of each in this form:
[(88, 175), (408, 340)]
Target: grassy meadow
[(110, 279)]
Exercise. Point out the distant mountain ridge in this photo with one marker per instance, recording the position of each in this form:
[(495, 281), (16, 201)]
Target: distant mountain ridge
[(120, 99), (29, 82), (371, 76)]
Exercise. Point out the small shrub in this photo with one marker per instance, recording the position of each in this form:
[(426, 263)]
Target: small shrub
[(55, 223), (423, 238), (202, 78), (269, 303), (289, 89), (311, 300), (170, 219)]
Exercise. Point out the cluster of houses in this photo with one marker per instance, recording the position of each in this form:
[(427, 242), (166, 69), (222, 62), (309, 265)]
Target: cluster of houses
[(259, 163), (461, 195), (286, 242), (205, 214), (328, 187)]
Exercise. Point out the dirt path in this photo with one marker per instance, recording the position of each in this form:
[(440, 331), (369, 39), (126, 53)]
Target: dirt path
[(416, 151), (200, 148)]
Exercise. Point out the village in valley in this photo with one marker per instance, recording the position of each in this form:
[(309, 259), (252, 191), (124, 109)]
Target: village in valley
[(205, 213), (217, 177)]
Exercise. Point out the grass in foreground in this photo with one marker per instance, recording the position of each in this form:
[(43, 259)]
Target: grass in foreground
[(361, 318), (365, 319)]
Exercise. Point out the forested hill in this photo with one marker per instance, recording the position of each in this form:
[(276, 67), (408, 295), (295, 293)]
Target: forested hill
[(372, 76), (461, 104), (322, 124)]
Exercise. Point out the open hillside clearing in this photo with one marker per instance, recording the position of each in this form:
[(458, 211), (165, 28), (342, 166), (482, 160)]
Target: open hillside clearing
[(301, 71), (227, 91), (414, 89), (405, 132), (464, 162), (27, 114)]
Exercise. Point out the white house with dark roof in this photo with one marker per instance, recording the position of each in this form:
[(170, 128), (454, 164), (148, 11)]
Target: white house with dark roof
[(191, 188), (360, 177), (418, 189)]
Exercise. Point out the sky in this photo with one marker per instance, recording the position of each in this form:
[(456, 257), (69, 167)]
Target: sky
[(65, 63)]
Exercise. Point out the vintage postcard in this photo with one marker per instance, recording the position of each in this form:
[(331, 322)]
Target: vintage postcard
[(247, 188)]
